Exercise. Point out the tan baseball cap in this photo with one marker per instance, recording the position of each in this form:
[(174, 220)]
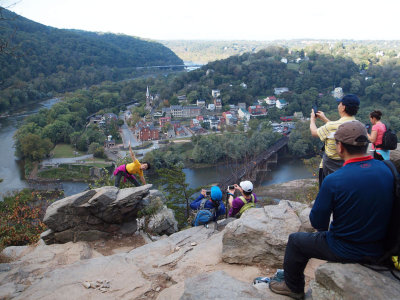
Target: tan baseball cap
[(352, 133)]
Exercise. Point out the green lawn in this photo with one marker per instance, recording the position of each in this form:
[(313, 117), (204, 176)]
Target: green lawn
[(65, 150), (292, 66), (97, 162)]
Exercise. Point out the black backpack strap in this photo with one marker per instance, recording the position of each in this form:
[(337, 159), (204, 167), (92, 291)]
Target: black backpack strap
[(396, 177), (202, 203), (380, 145)]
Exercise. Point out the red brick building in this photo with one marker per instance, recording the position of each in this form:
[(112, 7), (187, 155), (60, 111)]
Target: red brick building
[(148, 133)]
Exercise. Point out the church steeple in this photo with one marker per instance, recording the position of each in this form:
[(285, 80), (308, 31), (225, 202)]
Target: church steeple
[(147, 92)]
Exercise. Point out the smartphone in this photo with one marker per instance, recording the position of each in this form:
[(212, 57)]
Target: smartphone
[(315, 108), (231, 187), (208, 193)]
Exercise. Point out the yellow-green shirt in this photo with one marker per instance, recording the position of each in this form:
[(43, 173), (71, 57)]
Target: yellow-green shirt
[(326, 133), (134, 168)]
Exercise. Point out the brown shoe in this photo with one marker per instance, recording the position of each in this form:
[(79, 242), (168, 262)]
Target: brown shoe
[(282, 289)]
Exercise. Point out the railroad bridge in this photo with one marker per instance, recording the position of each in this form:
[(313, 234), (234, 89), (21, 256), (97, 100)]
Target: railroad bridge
[(260, 163)]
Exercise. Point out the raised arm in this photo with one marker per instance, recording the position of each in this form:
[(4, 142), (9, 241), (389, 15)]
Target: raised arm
[(131, 152)]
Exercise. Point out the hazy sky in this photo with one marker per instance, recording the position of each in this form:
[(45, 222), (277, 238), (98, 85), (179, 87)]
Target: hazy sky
[(221, 19)]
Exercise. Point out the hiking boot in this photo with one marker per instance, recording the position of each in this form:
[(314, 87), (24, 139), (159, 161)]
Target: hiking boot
[(282, 289)]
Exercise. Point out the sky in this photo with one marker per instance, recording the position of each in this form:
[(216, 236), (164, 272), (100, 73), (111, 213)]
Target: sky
[(221, 19)]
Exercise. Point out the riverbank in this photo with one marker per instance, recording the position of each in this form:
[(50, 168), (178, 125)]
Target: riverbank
[(300, 190)]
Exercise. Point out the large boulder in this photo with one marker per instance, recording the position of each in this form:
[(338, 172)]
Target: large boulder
[(100, 213), (260, 235), (352, 281)]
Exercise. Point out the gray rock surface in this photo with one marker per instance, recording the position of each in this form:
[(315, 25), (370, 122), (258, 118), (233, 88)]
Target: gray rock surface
[(163, 222), (260, 235), (185, 265), (353, 281), (100, 213), (219, 285)]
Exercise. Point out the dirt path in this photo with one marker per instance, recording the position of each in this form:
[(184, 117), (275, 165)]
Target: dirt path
[(34, 172)]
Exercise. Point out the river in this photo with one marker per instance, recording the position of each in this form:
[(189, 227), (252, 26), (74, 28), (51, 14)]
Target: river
[(11, 171), (285, 170)]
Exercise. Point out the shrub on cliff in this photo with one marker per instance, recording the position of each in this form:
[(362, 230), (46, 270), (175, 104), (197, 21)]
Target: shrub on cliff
[(21, 216)]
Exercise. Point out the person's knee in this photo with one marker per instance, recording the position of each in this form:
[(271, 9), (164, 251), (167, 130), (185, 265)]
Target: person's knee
[(293, 237), (296, 239)]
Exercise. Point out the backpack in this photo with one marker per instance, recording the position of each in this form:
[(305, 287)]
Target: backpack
[(246, 205), (389, 140), (205, 215), (391, 257)]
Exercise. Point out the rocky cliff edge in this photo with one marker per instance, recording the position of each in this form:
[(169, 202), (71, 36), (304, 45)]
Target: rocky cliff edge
[(218, 262)]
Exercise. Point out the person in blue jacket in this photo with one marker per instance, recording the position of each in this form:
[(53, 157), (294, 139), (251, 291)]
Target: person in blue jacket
[(359, 196), (216, 196)]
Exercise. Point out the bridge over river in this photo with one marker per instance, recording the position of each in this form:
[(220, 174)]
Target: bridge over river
[(249, 169)]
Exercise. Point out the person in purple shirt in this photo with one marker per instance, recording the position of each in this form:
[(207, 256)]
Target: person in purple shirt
[(243, 202)]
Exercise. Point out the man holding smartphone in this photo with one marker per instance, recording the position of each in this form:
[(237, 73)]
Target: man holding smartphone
[(242, 203), (347, 108), (210, 200)]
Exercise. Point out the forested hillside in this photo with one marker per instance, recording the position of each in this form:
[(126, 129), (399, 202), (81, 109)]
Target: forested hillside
[(203, 51), (40, 60), (375, 79)]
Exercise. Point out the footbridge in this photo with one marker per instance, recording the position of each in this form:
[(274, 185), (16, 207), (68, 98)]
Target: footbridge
[(260, 163)]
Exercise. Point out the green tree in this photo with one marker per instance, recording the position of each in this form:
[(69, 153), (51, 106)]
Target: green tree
[(177, 191), (34, 147)]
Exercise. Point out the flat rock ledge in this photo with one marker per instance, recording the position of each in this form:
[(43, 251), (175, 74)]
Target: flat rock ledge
[(97, 214)]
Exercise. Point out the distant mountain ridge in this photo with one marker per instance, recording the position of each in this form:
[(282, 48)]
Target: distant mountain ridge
[(40, 59)]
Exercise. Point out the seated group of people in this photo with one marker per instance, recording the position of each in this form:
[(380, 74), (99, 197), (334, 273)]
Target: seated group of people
[(237, 205)]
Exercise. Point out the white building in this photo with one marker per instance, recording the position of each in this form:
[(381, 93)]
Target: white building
[(243, 114), (215, 93), (211, 107), (280, 103), (201, 103), (176, 111), (278, 91)]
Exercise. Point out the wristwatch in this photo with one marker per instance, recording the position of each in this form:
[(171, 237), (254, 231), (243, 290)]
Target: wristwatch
[(230, 194)]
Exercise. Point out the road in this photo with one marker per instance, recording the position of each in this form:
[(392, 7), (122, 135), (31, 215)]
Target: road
[(126, 134), (65, 160)]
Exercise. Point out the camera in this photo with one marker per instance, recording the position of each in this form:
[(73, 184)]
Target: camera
[(315, 108), (208, 193), (231, 187), (368, 127)]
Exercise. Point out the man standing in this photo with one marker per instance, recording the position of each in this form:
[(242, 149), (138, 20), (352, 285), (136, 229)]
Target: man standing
[(331, 161), (240, 204), (360, 197)]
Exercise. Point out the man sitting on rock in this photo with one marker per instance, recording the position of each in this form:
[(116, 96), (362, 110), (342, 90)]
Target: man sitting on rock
[(360, 197), (212, 202), (242, 203)]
